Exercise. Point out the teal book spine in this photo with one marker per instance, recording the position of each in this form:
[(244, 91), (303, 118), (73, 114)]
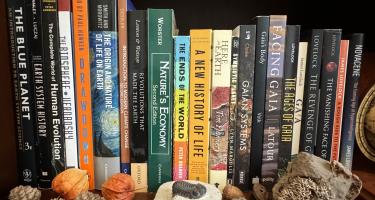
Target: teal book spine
[(160, 83)]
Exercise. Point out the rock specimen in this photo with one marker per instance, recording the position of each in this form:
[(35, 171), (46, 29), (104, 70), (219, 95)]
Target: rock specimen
[(310, 177), (187, 190)]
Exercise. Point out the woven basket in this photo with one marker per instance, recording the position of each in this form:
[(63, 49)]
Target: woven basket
[(365, 138)]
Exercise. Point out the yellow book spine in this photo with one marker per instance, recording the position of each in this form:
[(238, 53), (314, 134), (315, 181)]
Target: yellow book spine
[(200, 103)]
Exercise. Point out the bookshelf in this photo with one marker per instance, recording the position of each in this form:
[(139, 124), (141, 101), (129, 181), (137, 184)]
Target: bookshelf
[(219, 14)]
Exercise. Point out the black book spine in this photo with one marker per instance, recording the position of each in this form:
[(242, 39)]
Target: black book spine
[(37, 74), (137, 41), (52, 145), (233, 110), (311, 93), (273, 105), (289, 94), (351, 99), (246, 61), (260, 75), (328, 83), (19, 28)]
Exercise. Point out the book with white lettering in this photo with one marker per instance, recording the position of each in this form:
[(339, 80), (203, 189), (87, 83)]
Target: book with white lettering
[(104, 88), (273, 101), (161, 29)]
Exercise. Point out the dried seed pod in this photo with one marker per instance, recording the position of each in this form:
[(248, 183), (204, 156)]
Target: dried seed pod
[(70, 183), (232, 192), (120, 186)]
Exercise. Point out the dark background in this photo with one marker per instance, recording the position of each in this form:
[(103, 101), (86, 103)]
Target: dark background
[(351, 16)]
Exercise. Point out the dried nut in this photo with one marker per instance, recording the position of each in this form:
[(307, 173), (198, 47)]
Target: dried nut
[(70, 183), (118, 187), (232, 192)]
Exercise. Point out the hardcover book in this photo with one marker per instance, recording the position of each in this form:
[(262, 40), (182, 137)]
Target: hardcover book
[(104, 88), (340, 92), (138, 109), (289, 95), (220, 84), (260, 74), (67, 83), (83, 88), (181, 107), (200, 101), (54, 140), (23, 88), (354, 64), (233, 107), (273, 104), (300, 86), (328, 83), (246, 61), (123, 73), (161, 28), (311, 93)]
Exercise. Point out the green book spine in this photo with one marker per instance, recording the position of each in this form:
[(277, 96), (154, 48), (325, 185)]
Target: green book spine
[(160, 84)]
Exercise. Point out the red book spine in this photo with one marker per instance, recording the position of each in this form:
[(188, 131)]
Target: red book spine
[(340, 90)]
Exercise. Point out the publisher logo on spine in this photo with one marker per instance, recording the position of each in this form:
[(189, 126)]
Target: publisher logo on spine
[(331, 66), (27, 174)]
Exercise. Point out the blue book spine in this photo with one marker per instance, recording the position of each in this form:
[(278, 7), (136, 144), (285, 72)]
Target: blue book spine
[(104, 88)]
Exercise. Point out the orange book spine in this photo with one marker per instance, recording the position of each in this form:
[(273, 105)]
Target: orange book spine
[(200, 101), (123, 80), (83, 92), (340, 92)]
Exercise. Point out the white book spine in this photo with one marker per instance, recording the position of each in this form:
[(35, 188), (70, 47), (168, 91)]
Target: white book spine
[(300, 85), (68, 92)]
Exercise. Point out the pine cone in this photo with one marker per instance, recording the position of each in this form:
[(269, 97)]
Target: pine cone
[(24, 193), (89, 196)]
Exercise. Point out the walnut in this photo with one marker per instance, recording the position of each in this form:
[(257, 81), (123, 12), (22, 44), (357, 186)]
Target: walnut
[(118, 187), (70, 183)]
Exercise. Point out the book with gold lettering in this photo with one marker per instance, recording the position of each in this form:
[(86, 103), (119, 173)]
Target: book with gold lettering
[(161, 28), (221, 66), (181, 107), (200, 97)]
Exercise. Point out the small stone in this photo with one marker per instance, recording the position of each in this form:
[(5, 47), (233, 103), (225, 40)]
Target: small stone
[(165, 191)]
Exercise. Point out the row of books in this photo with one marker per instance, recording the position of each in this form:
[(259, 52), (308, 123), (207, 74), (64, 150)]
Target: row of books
[(110, 90)]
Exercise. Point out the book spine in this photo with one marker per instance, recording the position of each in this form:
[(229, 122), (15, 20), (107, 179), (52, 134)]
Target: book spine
[(351, 99), (23, 90), (104, 88), (138, 109), (52, 81), (181, 107), (200, 101), (220, 84), (244, 106), (233, 108), (311, 93), (300, 87), (340, 92), (328, 83), (260, 74), (67, 84), (123, 86), (83, 88), (289, 95), (273, 99), (160, 77)]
